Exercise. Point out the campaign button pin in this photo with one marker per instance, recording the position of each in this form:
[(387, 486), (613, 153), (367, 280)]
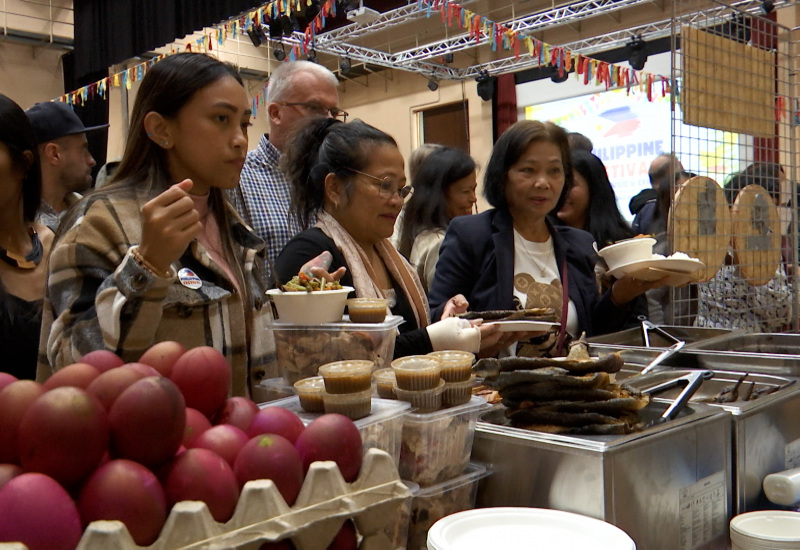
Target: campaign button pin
[(189, 279)]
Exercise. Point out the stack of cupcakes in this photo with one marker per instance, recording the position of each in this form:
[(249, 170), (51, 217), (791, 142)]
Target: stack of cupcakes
[(457, 375), (418, 380), (348, 387)]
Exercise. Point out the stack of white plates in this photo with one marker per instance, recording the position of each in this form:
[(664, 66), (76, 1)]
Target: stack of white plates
[(766, 530), (517, 527)]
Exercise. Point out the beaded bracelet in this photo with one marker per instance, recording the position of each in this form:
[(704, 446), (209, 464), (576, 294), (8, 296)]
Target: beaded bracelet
[(148, 266)]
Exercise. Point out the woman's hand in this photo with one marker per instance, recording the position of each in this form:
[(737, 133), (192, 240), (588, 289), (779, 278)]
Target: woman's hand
[(454, 306), (319, 265), (626, 289), (169, 223)]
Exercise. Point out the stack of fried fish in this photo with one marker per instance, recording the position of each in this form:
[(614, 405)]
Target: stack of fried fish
[(565, 395)]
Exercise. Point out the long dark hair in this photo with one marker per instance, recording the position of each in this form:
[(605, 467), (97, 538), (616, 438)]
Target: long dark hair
[(166, 89), (765, 174), (323, 146), (427, 207), (603, 219), (17, 134), (511, 146)]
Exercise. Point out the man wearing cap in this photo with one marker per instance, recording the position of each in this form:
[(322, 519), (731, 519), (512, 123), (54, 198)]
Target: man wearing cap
[(65, 158), (297, 90)]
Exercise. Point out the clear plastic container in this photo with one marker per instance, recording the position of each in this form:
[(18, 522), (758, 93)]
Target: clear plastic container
[(367, 310), (456, 364), (436, 446), (347, 376), (381, 429), (430, 504), (417, 372), (302, 349), (384, 383), (309, 391), (423, 401), (457, 393), (272, 389), (352, 405)]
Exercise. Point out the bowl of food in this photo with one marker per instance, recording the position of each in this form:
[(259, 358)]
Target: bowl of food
[(627, 251), (322, 303)]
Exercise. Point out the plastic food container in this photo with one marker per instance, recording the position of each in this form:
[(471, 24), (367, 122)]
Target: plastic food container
[(302, 349), (417, 372), (309, 391), (436, 446), (272, 389), (385, 383), (456, 364), (367, 310), (352, 405), (382, 429), (430, 504), (458, 393), (347, 376), (423, 401), (320, 306)]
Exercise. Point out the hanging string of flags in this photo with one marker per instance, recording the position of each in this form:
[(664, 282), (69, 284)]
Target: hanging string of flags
[(586, 69)]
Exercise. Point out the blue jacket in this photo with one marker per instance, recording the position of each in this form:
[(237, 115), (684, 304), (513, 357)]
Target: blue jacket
[(477, 260)]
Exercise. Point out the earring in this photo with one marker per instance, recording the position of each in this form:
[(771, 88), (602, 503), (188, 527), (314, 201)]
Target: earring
[(164, 143)]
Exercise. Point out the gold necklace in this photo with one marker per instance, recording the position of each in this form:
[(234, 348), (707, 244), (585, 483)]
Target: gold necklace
[(542, 268)]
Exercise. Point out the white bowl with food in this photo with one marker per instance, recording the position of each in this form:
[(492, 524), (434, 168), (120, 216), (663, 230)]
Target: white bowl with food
[(310, 307), (627, 251)]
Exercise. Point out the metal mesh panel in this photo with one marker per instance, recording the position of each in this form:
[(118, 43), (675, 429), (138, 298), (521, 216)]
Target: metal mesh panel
[(733, 126)]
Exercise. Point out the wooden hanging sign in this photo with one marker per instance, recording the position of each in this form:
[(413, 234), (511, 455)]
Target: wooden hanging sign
[(756, 235)]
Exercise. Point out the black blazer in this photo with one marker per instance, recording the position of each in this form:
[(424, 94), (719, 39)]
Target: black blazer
[(477, 260)]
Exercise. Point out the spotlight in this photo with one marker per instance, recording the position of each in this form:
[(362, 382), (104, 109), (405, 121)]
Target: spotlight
[(448, 58), (638, 55), (312, 56), (312, 10), (767, 6), (289, 24), (433, 85), (275, 30), (280, 54), (344, 66), (557, 77), (257, 35), (485, 85)]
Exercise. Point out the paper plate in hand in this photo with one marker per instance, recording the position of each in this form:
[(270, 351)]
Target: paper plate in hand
[(658, 268), (522, 325), (756, 235), (700, 224)]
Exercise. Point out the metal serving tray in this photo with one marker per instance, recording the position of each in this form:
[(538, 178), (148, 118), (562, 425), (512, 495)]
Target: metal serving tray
[(765, 433), (631, 344), (768, 353), (668, 487)]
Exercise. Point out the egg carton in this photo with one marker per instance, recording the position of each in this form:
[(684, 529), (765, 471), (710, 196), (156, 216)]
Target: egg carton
[(374, 501)]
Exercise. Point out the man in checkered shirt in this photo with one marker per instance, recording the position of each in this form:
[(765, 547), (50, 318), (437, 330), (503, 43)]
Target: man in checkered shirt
[(296, 91)]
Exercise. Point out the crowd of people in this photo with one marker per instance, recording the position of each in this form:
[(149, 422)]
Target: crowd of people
[(190, 230)]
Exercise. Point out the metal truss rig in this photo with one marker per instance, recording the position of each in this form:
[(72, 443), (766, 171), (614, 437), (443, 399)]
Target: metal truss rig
[(339, 41)]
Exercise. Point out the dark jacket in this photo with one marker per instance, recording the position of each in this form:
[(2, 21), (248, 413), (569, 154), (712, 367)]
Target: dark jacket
[(477, 260), (643, 208), (310, 243)]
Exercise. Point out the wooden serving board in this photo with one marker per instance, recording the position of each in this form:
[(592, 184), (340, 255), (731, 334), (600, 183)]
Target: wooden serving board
[(700, 224), (756, 235)]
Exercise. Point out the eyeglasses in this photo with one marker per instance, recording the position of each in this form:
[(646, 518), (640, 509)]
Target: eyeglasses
[(386, 186), (319, 109)]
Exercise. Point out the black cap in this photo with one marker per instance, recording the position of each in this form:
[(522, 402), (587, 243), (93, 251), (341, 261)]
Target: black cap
[(54, 119)]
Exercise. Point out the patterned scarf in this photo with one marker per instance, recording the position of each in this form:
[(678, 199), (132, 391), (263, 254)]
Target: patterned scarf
[(364, 276)]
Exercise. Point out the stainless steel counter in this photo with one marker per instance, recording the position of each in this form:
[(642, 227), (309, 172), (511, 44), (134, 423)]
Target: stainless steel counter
[(668, 487)]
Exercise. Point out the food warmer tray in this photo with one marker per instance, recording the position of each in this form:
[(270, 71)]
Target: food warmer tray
[(668, 487), (765, 434), (767, 353)]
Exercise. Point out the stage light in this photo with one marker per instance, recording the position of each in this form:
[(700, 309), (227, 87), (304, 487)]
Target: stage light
[(433, 85), (767, 6), (485, 85), (344, 66), (559, 77), (448, 58), (279, 53), (638, 53), (312, 56), (257, 35)]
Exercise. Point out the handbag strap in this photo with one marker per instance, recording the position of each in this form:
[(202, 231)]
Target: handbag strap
[(562, 331)]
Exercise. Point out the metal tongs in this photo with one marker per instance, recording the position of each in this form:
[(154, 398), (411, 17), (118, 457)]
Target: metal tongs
[(690, 383), (647, 327)]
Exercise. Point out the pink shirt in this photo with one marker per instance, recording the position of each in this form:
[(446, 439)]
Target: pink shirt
[(210, 237)]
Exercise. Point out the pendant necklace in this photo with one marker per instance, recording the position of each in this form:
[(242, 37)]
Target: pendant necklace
[(541, 267), (25, 262)]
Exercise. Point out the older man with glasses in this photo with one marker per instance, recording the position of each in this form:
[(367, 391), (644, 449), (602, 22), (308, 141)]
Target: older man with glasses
[(296, 90)]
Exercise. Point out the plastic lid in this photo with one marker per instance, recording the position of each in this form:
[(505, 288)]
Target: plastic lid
[(769, 525), (507, 527), (391, 321), (476, 403)]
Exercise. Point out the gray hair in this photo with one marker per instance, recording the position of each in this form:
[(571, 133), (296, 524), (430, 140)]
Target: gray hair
[(281, 78)]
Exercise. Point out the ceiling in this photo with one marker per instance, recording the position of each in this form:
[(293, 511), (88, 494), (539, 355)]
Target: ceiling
[(407, 36)]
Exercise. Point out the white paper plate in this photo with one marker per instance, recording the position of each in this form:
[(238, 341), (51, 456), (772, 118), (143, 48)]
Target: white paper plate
[(653, 269), (523, 326), (510, 527), (768, 525)]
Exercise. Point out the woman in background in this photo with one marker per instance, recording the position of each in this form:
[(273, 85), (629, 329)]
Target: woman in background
[(591, 204), (24, 244), (158, 253), (444, 188)]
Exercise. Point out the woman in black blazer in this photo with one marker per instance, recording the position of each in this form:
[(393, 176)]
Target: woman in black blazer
[(512, 256)]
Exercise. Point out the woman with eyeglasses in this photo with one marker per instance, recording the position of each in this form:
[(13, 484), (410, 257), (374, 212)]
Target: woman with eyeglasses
[(351, 177), (513, 257)]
